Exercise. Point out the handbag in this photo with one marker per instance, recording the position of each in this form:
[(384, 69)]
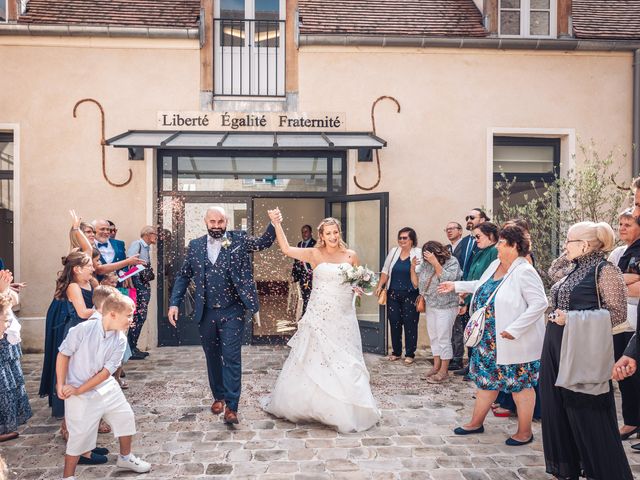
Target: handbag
[(474, 329), (382, 298), (147, 275), (421, 303)]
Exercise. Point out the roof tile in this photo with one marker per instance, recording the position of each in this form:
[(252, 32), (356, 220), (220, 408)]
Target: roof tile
[(610, 19), (125, 13), (433, 18)]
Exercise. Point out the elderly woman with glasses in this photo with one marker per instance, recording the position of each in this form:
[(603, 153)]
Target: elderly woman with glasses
[(580, 433), (401, 295)]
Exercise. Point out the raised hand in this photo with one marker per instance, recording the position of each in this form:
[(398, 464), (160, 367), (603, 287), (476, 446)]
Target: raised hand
[(75, 219), (275, 216)]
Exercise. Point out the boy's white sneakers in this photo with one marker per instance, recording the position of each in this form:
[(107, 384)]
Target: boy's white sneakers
[(133, 463)]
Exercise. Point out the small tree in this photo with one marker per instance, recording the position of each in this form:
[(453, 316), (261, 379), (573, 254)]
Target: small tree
[(592, 191)]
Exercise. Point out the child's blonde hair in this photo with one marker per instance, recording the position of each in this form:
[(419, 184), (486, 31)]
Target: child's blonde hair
[(101, 293), (117, 303)]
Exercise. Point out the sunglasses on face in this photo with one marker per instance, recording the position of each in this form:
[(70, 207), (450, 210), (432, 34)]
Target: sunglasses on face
[(470, 217), (403, 238)]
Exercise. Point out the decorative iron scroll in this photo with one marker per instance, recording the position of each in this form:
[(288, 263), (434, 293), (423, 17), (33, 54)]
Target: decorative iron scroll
[(102, 143), (373, 123)]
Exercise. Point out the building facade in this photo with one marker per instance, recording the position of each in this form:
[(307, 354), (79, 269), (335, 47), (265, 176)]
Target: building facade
[(382, 113)]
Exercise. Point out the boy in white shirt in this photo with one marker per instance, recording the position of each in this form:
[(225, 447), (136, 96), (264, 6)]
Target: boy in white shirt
[(87, 358)]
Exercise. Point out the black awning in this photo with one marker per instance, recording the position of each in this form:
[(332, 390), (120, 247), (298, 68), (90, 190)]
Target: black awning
[(166, 139)]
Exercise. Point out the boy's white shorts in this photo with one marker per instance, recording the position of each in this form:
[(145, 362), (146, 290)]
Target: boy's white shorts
[(82, 414)]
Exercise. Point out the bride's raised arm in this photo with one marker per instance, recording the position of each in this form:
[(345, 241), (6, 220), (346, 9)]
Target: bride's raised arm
[(303, 254)]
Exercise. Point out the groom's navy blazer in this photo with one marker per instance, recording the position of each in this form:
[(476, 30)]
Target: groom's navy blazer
[(241, 271)]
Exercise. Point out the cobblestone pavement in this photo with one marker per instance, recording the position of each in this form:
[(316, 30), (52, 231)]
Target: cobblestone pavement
[(182, 439)]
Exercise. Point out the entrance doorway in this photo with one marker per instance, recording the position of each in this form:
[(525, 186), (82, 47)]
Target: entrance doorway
[(307, 186)]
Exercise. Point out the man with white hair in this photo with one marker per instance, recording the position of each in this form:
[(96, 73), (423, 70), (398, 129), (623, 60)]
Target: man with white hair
[(142, 284), (220, 266), (111, 250)]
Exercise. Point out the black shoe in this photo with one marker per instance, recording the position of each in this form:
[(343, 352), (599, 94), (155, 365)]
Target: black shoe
[(100, 451), (462, 431), (512, 442), (636, 447), (136, 356), (93, 459), (455, 366), (462, 371), (122, 374), (629, 434), (139, 352)]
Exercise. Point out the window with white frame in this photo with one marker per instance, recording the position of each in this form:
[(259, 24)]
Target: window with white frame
[(528, 18)]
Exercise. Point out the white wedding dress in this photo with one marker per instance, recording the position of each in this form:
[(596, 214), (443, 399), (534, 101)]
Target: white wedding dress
[(325, 378)]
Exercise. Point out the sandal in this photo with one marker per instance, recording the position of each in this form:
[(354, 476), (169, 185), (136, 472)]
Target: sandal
[(431, 373), (123, 384), (104, 427), (63, 430), (392, 358), (408, 360), (438, 378)]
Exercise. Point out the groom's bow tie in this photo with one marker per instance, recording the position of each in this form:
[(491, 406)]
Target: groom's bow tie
[(105, 245)]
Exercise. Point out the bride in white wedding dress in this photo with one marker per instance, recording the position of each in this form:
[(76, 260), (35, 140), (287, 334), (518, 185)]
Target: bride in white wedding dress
[(324, 377)]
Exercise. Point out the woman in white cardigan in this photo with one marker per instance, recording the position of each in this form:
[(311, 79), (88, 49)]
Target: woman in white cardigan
[(401, 295), (508, 356)]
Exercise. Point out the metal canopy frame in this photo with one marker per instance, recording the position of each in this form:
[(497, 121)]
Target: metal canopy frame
[(231, 140)]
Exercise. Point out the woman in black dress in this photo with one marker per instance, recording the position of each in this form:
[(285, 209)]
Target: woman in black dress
[(579, 431)]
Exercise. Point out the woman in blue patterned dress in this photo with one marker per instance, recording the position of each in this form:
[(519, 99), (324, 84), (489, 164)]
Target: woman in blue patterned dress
[(508, 356), (14, 402)]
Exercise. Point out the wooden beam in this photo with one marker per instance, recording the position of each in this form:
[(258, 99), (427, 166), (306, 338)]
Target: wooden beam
[(291, 51), (564, 13), (491, 12), (206, 50)]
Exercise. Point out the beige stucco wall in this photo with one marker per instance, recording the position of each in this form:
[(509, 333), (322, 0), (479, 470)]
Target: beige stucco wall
[(59, 156), (435, 166)]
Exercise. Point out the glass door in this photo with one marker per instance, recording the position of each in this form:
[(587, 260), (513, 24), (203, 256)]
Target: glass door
[(364, 221), (183, 221)]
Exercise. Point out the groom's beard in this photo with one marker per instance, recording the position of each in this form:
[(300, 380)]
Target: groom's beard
[(217, 233)]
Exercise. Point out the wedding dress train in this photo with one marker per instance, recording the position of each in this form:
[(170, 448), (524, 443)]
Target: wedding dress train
[(324, 377)]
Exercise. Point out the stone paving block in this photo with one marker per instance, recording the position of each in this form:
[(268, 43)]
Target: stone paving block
[(474, 475), (454, 462), (415, 476), (331, 453), (314, 467), (301, 454), (341, 465), (269, 455), (533, 473), (362, 453), (239, 456), (282, 467), (502, 474), (376, 441), (320, 443), (446, 474)]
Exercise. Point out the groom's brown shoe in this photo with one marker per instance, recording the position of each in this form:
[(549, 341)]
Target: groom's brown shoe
[(218, 407), (230, 417)]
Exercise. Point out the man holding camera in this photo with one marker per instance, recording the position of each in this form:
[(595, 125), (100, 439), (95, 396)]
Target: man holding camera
[(142, 284)]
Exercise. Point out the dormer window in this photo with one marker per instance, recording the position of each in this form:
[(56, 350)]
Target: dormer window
[(528, 18)]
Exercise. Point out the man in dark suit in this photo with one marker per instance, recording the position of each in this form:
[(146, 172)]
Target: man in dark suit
[(111, 250), (302, 272), (464, 251), (220, 265)]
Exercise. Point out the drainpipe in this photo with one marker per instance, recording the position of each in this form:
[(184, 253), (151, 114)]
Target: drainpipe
[(636, 114)]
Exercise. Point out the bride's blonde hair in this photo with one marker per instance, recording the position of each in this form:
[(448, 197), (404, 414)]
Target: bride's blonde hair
[(325, 223)]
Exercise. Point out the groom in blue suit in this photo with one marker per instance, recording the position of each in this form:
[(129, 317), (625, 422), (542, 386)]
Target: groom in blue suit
[(220, 266)]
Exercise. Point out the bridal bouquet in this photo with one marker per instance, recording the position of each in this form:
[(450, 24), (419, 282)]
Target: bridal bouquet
[(361, 279)]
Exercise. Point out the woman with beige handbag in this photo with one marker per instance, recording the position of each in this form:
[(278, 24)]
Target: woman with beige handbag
[(395, 284), (441, 310)]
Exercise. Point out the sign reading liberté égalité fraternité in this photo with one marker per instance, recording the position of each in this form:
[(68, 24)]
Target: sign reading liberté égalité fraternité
[(243, 121)]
